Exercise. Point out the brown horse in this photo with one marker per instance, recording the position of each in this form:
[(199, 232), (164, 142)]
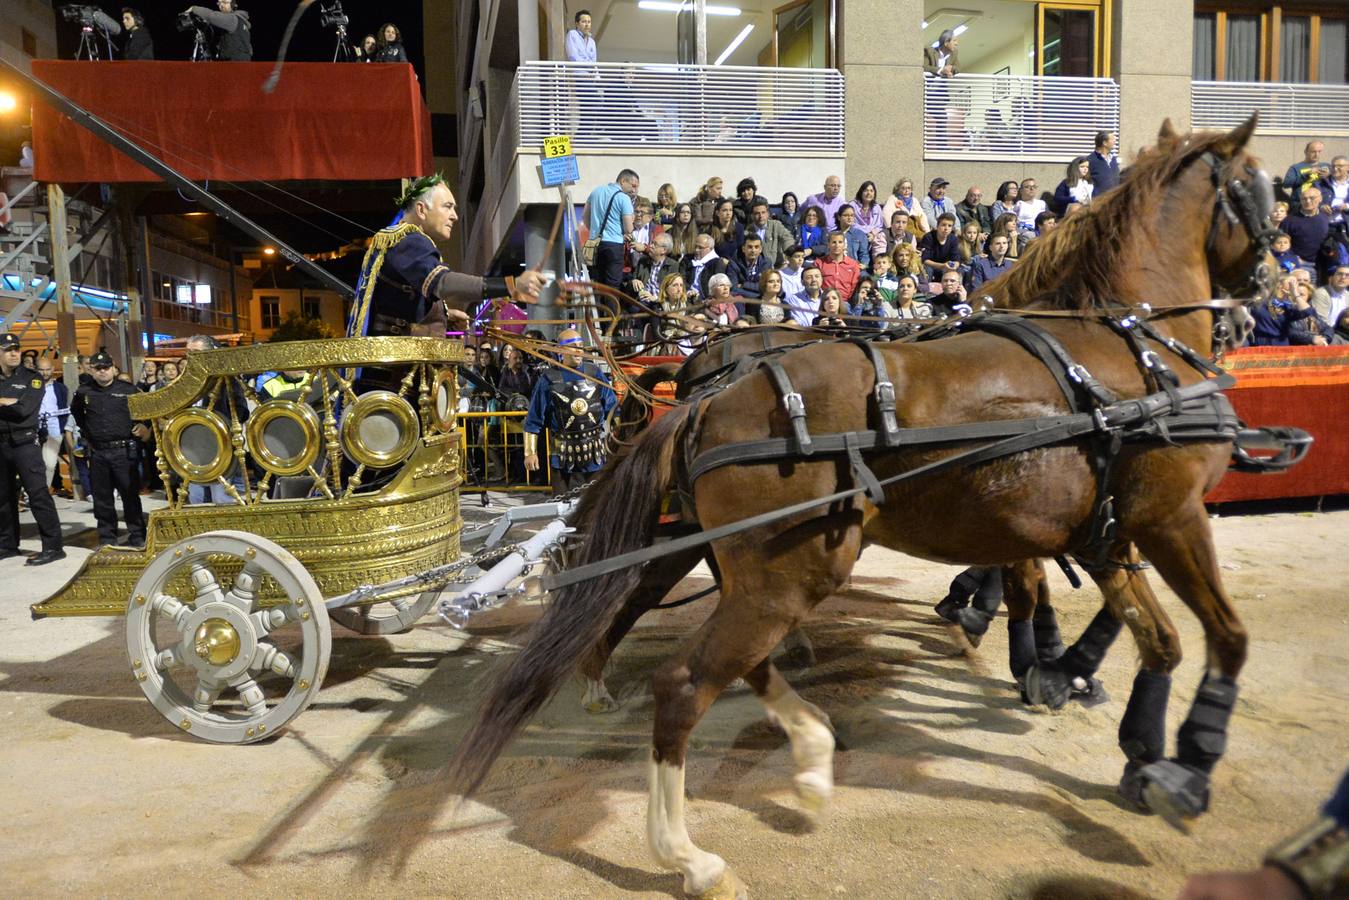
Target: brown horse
[(1174, 215)]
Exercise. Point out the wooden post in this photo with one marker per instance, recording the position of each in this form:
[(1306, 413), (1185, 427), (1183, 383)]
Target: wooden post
[(65, 300)]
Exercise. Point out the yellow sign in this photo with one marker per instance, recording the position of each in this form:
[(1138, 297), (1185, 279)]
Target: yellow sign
[(554, 147)]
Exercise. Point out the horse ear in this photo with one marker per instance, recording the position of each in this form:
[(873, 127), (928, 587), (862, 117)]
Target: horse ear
[(1238, 137), (1167, 133)]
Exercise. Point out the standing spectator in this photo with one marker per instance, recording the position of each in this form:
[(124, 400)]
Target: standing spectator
[(769, 309), (389, 48), (812, 232), (666, 205), (838, 269), (859, 244), (26, 156), (21, 458), (705, 203), (940, 248), (1308, 226), (580, 45), (366, 51), (1102, 164), (942, 60), (936, 202), (870, 214), (114, 446), (1332, 299), (1008, 192), (745, 193), (775, 236), (1307, 172), (727, 234), (1076, 187), (806, 305), (609, 213), (234, 41), (703, 265), (789, 214), (829, 200), (902, 198), (792, 269), (1334, 190), (52, 415), (972, 209), (168, 374), (139, 45), (683, 233), (746, 270), (899, 232), (1028, 207), (986, 268), (149, 375)]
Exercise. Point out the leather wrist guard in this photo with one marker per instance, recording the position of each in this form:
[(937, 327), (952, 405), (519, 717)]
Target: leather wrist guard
[(1317, 858)]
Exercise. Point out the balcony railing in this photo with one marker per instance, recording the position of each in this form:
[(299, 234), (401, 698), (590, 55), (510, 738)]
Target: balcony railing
[(1310, 109), (719, 109), (1009, 117)]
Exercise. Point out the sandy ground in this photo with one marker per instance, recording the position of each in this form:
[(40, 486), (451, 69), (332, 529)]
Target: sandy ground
[(947, 787)]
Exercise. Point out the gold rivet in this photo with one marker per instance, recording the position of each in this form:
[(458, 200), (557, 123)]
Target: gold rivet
[(300, 602), (185, 725), (141, 676), (135, 664), (304, 684), (304, 616), (261, 729), (177, 554), (140, 599), (249, 733), (249, 554), (191, 549)]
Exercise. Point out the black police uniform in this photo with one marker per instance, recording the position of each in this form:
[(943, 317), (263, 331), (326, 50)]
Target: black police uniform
[(21, 459), (114, 454)]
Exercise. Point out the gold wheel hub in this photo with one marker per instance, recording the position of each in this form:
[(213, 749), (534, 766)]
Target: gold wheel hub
[(216, 642)]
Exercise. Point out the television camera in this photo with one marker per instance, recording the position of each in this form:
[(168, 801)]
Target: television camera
[(331, 15), (90, 28), (201, 39)]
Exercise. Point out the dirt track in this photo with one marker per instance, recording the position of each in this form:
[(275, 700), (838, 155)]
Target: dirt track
[(947, 787)]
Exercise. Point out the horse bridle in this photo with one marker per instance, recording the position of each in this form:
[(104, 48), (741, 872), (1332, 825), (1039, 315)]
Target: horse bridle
[(1248, 206)]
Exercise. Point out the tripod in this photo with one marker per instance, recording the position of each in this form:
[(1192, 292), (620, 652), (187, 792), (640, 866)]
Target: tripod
[(89, 48), (343, 52), (201, 46)]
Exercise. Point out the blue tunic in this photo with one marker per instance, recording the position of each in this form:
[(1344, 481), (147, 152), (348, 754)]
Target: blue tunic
[(410, 269)]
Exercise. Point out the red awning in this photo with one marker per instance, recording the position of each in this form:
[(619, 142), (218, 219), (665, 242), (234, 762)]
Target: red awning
[(324, 121)]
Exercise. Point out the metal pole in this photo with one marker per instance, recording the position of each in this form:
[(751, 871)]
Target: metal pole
[(66, 342), (147, 288), (126, 274), (700, 32)]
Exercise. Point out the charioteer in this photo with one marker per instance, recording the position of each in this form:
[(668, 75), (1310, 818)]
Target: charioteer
[(573, 406)]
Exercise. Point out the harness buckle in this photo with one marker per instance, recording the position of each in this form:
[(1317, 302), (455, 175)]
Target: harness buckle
[(1150, 359), (885, 393), (794, 403), (1098, 416), (1078, 372)]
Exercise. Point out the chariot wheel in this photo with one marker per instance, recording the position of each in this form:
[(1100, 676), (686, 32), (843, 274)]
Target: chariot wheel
[(388, 617), (215, 662)]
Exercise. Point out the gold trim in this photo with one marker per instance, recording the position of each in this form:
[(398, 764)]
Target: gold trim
[(448, 378), (224, 457), (300, 413), (367, 405)]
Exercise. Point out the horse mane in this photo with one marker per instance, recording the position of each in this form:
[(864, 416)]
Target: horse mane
[(1076, 266)]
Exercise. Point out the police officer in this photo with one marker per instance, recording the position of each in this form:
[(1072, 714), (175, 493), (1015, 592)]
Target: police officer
[(21, 457), (114, 447), (573, 408)]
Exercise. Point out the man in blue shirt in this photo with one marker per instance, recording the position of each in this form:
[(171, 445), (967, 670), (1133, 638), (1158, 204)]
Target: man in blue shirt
[(986, 268), (609, 215), (1308, 226), (1104, 165), (580, 45), (573, 408)]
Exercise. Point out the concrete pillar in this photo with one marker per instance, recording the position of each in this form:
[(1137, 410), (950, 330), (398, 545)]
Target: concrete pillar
[(538, 225), (881, 48), (1152, 58), (528, 31)]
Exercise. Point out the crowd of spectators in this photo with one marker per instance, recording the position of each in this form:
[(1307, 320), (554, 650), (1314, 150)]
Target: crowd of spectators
[(740, 259)]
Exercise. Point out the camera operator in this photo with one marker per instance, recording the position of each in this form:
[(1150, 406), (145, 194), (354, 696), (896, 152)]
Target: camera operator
[(234, 42), (139, 44)]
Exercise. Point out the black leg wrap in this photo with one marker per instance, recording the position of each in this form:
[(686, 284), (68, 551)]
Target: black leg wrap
[(1048, 641), (1142, 731), (965, 585), (1203, 736), (988, 597), (1020, 647), (1084, 657)]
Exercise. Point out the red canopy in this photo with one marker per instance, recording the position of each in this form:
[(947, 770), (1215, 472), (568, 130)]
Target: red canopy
[(324, 121)]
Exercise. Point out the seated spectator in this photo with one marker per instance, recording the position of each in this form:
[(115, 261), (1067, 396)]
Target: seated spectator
[(1274, 318), (908, 261), (746, 269), (1045, 222), (1278, 213), (643, 230), (672, 301), (702, 265), (806, 305), (832, 311), (1334, 190), (1332, 299), (652, 269), (1341, 335), (665, 205), (969, 245), (1310, 330), (792, 267), (812, 233), (1028, 207), (1281, 249), (936, 202), (902, 198), (940, 248), (770, 308), (907, 305), (859, 245), (972, 209), (840, 270), (683, 233), (898, 233), (705, 203), (951, 298), (870, 309), (1006, 224), (721, 307), (1308, 226), (789, 214), (870, 215), (727, 234), (745, 192), (1103, 165), (828, 200), (775, 236), (986, 268), (1008, 193), (1076, 187), (883, 276)]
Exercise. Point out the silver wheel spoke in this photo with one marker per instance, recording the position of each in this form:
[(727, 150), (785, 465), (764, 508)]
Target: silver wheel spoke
[(167, 659), (250, 695), (265, 621), (208, 689), (270, 658), (207, 586), (244, 593)]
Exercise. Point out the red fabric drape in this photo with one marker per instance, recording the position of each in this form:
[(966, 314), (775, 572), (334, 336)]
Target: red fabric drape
[(324, 121), (1307, 388)]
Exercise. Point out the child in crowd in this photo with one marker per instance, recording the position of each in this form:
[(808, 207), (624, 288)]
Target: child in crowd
[(791, 270), (883, 277), (1281, 249)]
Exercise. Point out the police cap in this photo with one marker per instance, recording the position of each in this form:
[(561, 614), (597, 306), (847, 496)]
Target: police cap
[(9, 342), (101, 360)]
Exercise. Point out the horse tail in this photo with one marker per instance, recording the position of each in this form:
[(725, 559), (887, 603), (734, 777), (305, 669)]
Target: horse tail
[(623, 509), (635, 409)]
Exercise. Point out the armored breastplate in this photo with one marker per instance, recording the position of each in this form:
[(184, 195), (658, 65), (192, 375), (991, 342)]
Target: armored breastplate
[(578, 416)]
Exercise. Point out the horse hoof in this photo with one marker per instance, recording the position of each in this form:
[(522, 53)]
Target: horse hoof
[(1089, 692), (1131, 785), (813, 794), (728, 887), (797, 657), (1047, 686), (1176, 792), (974, 622), (949, 608)]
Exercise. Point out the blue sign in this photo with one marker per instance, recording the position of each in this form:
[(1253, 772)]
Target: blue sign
[(560, 170)]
